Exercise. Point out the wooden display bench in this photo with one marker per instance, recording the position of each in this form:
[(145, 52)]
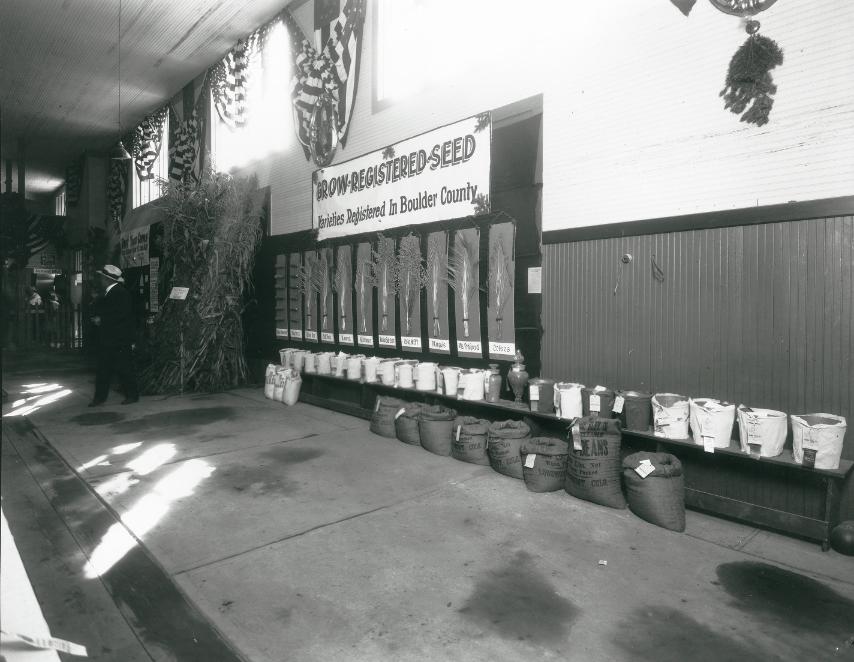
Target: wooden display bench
[(776, 492)]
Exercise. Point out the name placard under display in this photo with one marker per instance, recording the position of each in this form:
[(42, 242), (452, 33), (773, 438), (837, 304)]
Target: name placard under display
[(438, 175)]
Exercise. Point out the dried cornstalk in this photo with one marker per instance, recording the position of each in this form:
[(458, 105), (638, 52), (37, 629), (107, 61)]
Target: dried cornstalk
[(211, 233), (342, 283), (306, 284), (437, 273), (411, 276), (383, 265), (500, 280), (462, 275), (324, 285), (363, 282)]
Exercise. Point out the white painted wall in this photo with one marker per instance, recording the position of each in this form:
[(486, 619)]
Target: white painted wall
[(633, 125)]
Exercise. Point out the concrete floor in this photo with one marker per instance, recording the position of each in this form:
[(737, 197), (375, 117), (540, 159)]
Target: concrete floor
[(299, 535)]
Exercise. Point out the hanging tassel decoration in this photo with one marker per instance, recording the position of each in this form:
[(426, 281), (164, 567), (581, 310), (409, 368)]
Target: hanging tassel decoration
[(748, 80)]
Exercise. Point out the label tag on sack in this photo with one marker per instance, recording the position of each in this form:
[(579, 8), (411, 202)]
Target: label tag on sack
[(534, 392), (50, 643), (595, 404), (377, 405), (644, 469), (576, 435), (619, 401), (529, 460), (708, 443), (809, 457), (459, 430), (399, 413)]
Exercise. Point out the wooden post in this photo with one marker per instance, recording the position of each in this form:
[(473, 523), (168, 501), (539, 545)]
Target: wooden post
[(8, 175), (22, 168)]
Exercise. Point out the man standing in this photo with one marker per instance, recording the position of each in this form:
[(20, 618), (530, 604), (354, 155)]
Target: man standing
[(116, 335)]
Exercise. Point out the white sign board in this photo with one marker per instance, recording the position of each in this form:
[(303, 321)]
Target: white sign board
[(439, 175), (135, 248), (179, 293)]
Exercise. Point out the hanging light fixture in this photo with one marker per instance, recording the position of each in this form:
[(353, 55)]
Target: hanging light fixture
[(119, 153)]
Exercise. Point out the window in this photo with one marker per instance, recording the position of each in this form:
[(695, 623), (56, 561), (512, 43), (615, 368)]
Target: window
[(59, 203), (269, 120), (146, 190)]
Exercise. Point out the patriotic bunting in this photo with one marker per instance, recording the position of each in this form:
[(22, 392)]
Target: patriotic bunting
[(184, 149), (331, 66), (149, 134), (229, 81), (117, 191), (73, 183)]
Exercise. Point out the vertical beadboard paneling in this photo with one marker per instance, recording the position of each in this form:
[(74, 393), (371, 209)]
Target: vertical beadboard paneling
[(760, 314)]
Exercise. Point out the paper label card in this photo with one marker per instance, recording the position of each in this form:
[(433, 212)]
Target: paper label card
[(281, 333), (179, 293), (595, 404), (326, 336), (534, 392), (399, 413), (387, 341), (311, 335), (459, 430), (644, 470), (530, 459), (709, 444), (576, 436), (809, 457), (619, 401)]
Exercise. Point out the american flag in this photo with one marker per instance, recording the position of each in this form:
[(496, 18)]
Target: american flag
[(149, 134), (229, 84), (331, 65)]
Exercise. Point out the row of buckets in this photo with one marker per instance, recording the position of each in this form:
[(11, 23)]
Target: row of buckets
[(817, 439), (462, 383)]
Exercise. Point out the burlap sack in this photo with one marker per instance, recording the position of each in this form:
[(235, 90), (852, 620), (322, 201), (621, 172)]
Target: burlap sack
[(505, 447)]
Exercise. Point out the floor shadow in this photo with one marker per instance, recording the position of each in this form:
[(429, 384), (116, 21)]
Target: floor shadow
[(267, 476), (792, 600), (517, 603), (97, 418), (180, 420), (662, 634)]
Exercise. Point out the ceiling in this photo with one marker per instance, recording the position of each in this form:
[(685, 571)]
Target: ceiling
[(59, 70)]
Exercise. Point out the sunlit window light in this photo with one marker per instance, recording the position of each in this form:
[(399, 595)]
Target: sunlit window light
[(113, 546), (94, 462), (41, 401), (181, 482), (269, 124), (145, 514), (34, 385), (117, 485), (125, 448), (152, 458), (18, 403), (42, 388)]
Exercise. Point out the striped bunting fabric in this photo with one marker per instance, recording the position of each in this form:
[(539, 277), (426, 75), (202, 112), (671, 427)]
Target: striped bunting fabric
[(117, 191), (149, 135), (333, 66), (185, 149), (229, 83)]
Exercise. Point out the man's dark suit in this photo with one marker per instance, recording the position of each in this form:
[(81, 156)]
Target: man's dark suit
[(116, 334)]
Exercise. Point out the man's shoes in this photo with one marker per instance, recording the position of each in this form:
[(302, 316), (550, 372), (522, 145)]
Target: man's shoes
[(95, 403), (129, 401)]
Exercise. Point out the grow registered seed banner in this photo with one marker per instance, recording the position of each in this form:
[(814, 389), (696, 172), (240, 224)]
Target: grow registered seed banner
[(437, 293), (500, 322), (464, 279), (363, 285), (343, 282), (384, 265), (438, 175), (294, 296)]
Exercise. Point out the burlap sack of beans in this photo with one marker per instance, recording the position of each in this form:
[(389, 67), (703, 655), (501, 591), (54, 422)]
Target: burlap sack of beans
[(593, 473), (505, 447), (547, 457), (406, 423), (469, 442), (436, 425), (382, 421), (660, 497)]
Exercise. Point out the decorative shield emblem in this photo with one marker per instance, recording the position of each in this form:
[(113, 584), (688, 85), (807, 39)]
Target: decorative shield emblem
[(323, 135)]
